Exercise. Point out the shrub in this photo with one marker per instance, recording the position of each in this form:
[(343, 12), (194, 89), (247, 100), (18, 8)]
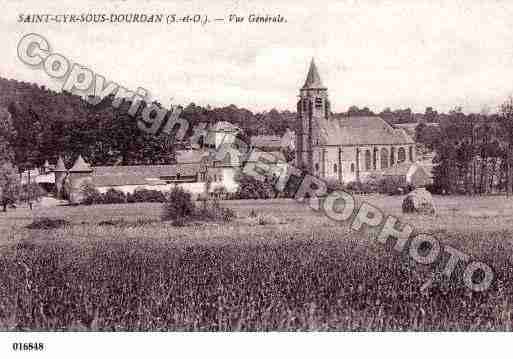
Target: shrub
[(48, 223), (113, 196), (252, 188), (146, 195), (91, 195), (334, 185), (394, 185), (433, 189), (220, 192), (212, 211), (32, 191), (352, 186), (178, 207)]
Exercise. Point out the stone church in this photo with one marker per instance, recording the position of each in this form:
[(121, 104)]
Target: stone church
[(344, 148)]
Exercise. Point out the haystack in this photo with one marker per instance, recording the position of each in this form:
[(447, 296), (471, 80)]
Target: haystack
[(419, 201)]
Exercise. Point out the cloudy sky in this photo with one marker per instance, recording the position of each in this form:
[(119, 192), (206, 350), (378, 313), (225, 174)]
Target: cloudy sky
[(369, 53)]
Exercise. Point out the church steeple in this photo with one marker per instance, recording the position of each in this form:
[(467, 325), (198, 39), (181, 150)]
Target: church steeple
[(313, 110), (313, 80)]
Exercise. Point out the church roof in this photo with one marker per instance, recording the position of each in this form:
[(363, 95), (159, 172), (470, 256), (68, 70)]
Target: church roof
[(313, 79), (361, 130), (80, 166)]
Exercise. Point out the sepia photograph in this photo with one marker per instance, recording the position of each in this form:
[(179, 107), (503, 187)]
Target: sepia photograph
[(277, 168)]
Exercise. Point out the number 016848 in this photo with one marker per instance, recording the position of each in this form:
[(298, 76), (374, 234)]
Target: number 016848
[(27, 346)]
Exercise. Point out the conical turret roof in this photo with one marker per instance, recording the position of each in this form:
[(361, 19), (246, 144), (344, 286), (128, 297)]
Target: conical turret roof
[(80, 166), (60, 166), (313, 80)]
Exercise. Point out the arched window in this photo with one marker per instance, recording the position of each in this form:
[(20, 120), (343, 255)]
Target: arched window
[(384, 158), (375, 158), (352, 167), (411, 153), (368, 160), (335, 168), (401, 155), (392, 156), (317, 167)]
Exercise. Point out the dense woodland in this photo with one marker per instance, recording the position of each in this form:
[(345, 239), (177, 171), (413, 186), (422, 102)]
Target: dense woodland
[(473, 151), (44, 124)]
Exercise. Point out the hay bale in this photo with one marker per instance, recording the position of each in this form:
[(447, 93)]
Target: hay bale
[(419, 201)]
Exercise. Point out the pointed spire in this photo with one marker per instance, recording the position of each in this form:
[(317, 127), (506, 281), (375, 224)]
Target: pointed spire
[(313, 80), (60, 165), (46, 164), (81, 166)]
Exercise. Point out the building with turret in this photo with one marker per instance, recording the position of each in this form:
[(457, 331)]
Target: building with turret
[(344, 148)]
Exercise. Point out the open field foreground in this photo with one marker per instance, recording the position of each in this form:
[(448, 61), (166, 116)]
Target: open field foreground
[(300, 271)]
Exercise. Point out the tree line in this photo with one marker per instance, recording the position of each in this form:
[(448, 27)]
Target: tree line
[(44, 125), (473, 153)]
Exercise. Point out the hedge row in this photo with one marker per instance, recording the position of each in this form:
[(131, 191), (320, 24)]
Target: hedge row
[(93, 196)]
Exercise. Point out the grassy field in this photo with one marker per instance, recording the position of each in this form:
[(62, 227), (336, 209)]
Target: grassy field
[(299, 272)]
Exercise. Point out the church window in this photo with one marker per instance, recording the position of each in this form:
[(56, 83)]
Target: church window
[(318, 102), (335, 168), (401, 155), (352, 167), (375, 158), (384, 158), (411, 153), (317, 167), (368, 160), (392, 156)]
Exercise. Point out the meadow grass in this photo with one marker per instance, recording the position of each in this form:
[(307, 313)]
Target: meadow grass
[(299, 272)]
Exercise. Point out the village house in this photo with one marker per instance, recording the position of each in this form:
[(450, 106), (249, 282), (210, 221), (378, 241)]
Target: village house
[(341, 148), (199, 168)]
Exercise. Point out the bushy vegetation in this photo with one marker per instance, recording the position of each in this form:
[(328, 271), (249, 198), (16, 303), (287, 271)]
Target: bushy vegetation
[(113, 196), (48, 223), (9, 185), (394, 185), (32, 191), (141, 195), (91, 194), (253, 188), (180, 209)]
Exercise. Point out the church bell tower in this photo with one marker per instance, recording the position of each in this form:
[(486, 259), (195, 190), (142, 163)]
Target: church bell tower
[(313, 108)]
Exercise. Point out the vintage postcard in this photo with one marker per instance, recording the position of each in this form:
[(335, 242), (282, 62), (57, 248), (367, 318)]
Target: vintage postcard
[(254, 166)]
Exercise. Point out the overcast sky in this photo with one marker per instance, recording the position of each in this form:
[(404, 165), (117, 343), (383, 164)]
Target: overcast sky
[(369, 53)]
